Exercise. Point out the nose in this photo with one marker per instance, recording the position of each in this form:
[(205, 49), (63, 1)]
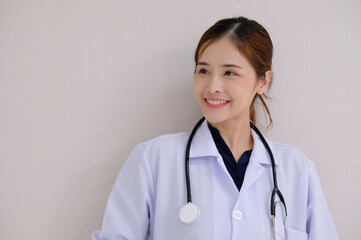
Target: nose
[(215, 85)]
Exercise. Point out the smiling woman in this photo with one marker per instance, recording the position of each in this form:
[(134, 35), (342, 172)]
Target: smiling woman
[(234, 169), (224, 75), (255, 51)]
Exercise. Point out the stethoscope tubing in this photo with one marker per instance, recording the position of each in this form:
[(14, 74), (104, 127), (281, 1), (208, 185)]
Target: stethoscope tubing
[(275, 190), (189, 193)]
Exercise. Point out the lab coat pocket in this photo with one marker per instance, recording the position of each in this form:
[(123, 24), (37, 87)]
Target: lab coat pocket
[(293, 234)]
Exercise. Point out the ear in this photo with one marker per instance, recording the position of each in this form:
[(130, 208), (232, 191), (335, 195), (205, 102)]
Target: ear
[(265, 82)]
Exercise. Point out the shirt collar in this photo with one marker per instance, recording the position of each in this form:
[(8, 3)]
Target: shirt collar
[(204, 146)]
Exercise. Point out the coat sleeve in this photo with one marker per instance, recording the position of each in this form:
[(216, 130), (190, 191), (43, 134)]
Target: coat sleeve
[(319, 221), (127, 212)]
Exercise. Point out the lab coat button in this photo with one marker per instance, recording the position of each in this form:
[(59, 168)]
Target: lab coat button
[(237, 215)]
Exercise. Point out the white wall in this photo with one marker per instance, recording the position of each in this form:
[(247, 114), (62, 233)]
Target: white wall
[(83, 81)]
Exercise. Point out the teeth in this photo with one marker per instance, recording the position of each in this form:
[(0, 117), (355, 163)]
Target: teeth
[(217, 102)]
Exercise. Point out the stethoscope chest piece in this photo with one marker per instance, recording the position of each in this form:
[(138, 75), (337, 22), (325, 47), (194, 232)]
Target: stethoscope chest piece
[(189, 213)]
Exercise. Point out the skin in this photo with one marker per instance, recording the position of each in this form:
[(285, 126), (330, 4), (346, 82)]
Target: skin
[(224, 74)]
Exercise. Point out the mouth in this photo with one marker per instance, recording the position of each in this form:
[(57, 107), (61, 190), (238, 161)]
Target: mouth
[(216, 103)]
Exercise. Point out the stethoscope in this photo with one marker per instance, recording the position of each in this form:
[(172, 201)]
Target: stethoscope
[(190, 212)]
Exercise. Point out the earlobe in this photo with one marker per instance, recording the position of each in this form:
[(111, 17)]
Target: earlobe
[(265, 82)]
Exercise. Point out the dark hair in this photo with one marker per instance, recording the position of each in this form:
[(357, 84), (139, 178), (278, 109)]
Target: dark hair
[(253, 42)]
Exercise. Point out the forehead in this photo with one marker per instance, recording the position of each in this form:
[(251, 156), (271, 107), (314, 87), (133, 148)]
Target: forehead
[(222, 50)]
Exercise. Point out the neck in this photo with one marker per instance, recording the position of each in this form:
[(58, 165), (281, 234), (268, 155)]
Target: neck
[(237, 136)]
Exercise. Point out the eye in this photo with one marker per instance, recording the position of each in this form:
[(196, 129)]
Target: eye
[(202, 71), (229, 73)]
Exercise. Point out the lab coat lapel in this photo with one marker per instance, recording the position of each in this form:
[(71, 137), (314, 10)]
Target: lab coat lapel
[(203, 144), (255, 168)]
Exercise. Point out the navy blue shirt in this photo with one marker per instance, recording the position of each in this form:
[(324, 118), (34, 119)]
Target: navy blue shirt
[(235, 169)]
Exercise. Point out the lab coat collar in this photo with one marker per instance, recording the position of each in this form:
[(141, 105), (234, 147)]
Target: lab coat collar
[(203, 146), (260, 152)]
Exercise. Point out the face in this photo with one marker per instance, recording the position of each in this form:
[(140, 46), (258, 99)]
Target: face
[(225, 83)]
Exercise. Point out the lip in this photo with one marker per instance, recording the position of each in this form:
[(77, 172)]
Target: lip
[(215, 106)]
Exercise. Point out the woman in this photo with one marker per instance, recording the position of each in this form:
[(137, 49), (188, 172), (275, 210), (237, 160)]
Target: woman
[(229, 166)]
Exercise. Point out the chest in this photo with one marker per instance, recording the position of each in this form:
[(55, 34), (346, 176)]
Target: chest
[(225, 212)]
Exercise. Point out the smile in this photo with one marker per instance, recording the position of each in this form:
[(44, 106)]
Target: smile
[(216, 103)]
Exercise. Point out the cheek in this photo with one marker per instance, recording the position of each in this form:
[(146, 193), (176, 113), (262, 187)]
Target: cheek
[(197, 86)]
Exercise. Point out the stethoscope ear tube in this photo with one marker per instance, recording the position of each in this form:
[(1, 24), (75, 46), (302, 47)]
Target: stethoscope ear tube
[(275, 192)]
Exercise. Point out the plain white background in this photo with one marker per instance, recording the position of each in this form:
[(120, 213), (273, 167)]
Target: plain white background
[(83, 81)]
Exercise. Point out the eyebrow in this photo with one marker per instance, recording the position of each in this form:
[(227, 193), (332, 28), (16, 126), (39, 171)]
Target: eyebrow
[(224, 65)]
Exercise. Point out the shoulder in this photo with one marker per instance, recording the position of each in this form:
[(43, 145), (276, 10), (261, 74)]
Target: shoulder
[(164, 148), (287, 154), (166, 141)]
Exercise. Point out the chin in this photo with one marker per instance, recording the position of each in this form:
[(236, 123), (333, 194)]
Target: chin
[(212, 118)]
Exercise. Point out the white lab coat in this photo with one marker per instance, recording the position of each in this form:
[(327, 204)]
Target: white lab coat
[(150, 190)]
